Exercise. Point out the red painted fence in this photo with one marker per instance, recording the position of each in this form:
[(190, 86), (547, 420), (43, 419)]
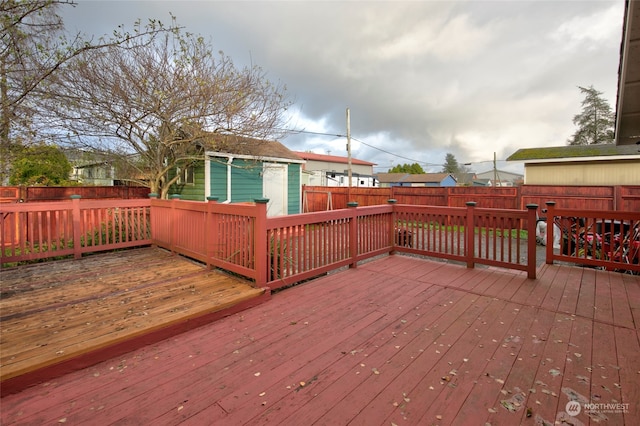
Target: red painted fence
[(31, 231), (280, 251), (618, 198), (275, 251), (601, 239), (35, 194)]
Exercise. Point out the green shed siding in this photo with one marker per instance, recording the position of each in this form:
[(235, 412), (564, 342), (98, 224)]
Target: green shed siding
[(293, 190), (246, 181), (192, 192), (218, 178)]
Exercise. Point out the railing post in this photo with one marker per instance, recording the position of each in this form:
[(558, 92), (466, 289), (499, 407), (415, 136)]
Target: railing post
[(353, 234), (550, 229), (172, 232), (532, 210), (209, 228), (152, 196), (470, 240), (392, 225), (77, 226), (261, 249)]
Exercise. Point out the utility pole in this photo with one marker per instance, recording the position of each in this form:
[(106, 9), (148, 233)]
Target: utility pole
[(349, 154), (495, 170)]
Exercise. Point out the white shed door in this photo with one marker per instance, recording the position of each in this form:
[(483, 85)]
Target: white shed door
[(274, 187)]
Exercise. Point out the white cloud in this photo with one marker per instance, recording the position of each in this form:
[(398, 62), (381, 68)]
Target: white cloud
[(422, 78), (590, 30)]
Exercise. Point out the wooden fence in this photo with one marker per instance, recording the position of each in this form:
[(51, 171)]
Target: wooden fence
[(595, 238), (617, 198), (32, 194), (32, 231)]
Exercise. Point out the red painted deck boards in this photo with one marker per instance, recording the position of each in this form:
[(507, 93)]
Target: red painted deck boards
[(397, 340)]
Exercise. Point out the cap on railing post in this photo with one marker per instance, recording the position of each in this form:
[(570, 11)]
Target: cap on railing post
[(213, 199), (470, 234), (174, 196), (392, 201), (352, 204), (532, 211), (153, 195)]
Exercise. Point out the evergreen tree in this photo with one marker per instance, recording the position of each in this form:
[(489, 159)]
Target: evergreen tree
[(413, 169), (596, 121), (450, 164)]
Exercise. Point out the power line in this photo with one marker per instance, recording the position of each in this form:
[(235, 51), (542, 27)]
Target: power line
[(413, 160), (297, 131)]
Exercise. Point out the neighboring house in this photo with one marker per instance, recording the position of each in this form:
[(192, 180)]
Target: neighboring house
[(332, 170), (90, 168), (424, 179), (500, 178), (610, 164), (465, 179), (97, 174), (259, 169), (481, 182), (590, 165)]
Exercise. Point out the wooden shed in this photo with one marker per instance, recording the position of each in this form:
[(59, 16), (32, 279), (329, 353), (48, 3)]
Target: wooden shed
[(246, 171)]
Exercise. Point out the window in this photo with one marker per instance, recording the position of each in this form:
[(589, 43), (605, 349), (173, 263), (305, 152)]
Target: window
[(189, 175), (186, 176)]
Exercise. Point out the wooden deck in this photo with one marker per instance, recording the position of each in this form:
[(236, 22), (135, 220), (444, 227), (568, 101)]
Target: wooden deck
[(56, 317), (399, 340)]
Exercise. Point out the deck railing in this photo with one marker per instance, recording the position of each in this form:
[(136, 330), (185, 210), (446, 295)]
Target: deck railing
[(276, 251), (494, 237), (305, 245), (225, 236), (32, 231), (601, 239)]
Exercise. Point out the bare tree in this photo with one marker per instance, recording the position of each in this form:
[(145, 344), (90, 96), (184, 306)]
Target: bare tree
[(157, 102), (34, 48)]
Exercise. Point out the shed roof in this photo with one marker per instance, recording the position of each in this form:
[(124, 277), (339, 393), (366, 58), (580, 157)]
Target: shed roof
[(586, 152), (311, 156), (245, 146)]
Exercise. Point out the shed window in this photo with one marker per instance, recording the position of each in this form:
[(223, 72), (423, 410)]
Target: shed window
[(189, 175), (186, 175)]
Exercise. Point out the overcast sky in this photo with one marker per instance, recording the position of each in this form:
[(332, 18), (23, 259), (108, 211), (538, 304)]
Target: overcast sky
[(421, 78)]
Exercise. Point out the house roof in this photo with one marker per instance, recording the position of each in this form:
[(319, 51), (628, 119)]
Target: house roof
[(250, 147), (502, 174), (412, 178), (628, 103), (311, 156), (586, 152)]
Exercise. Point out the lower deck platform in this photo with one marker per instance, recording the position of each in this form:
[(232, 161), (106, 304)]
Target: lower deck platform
[(58, 316)]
